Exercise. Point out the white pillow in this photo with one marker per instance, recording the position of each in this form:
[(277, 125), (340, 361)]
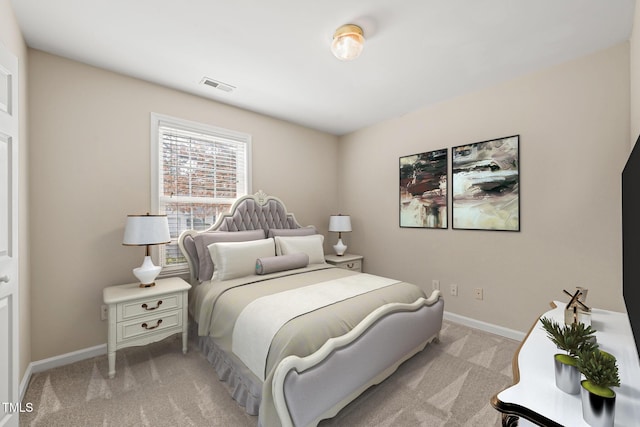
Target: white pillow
[(310, 245), (238, 259)]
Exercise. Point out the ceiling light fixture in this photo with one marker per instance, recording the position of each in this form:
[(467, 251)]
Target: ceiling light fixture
[(348, 41)]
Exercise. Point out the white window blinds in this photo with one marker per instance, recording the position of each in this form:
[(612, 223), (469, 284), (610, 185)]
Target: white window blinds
[(201, 171)]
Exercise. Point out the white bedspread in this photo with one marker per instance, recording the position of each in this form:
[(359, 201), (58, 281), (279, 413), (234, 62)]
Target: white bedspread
[(262, 319)]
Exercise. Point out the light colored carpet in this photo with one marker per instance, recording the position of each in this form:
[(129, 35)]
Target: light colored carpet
[(449, 384)]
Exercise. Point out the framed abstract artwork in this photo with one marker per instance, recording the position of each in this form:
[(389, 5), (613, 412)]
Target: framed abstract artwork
[(423, 190), (485, 178)]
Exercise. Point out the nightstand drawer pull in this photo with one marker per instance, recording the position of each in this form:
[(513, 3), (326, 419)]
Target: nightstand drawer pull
[(146, 307), (351, 265), (147, 327), (150, 305)]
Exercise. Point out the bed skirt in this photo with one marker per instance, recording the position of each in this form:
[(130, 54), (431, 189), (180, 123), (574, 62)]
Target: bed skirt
[(242, 387)]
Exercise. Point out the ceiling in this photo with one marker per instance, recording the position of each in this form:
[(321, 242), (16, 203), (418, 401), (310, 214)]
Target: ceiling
[(276, 53)]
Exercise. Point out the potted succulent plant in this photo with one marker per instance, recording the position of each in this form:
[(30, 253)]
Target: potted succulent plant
[(572, 339), (600, 370)]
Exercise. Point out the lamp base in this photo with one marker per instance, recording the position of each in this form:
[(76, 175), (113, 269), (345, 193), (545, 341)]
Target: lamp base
[(340, 248), (147, 273), (148, 285)]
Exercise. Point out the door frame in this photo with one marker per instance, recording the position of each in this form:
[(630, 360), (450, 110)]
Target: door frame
[(9, 266)]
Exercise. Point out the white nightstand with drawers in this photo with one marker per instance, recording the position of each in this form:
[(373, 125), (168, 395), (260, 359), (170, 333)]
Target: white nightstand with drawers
[(140, 316), (347, 261)]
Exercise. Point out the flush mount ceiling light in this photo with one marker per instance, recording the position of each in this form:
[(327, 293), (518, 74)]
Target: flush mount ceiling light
[(348, 41)]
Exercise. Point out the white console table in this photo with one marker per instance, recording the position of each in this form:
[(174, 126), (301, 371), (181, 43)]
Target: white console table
[(535, 397)]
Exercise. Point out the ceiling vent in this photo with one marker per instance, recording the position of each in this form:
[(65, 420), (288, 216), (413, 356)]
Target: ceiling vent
[(217, 84)]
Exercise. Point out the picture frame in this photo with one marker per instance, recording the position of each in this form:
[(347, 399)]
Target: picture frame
[(423, 190), (485, 181)]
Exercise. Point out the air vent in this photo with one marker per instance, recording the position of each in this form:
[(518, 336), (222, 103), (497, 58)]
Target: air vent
[(217, 84)]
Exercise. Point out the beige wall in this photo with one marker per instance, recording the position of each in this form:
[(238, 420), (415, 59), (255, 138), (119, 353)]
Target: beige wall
[(90, 158), (635, 76), (573, 122), (11, 37), (89, 167)]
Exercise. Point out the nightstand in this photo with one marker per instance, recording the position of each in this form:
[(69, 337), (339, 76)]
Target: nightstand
[(347, 261), (140, 316)]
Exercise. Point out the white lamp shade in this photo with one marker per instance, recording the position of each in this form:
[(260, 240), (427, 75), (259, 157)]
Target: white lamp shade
[(340, 223), (146, 230)]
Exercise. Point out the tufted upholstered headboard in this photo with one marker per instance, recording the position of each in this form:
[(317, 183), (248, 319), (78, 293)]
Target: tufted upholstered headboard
[(252, 212), (256, 212)]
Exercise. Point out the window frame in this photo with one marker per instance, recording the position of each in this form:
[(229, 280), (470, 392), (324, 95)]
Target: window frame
[(158, 120)]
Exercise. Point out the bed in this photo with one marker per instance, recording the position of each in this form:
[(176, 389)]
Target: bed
[(296, 339)]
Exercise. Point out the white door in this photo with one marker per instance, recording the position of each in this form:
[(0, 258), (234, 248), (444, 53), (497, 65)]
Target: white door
[(9, 398)]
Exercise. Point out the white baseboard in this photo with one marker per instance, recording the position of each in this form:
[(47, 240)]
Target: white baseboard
[(484, 326), (56, 361), (25, 381), (99, 350)]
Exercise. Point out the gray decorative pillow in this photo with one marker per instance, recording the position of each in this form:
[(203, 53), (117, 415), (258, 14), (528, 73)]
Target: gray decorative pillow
[(273, 264), (190, 247), (203, 240), (303, 231)]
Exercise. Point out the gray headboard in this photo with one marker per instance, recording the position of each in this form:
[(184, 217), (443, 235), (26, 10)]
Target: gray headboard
[(252, 212), (256, 212)]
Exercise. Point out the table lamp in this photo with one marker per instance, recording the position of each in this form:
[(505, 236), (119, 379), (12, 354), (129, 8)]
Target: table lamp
[(340, 224), (146, 230)]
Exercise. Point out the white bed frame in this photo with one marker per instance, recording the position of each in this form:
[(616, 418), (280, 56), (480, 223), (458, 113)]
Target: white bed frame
[(310, 389)]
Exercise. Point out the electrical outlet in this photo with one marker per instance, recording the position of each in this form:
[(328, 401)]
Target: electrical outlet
[(477, 292), (435, 285), (454, 290), (104, 312)]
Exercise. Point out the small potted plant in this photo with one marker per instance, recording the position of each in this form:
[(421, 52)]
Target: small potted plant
[(600, 371), (572, 339)]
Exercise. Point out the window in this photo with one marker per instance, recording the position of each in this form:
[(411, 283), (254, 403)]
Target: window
[(197, 173)]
